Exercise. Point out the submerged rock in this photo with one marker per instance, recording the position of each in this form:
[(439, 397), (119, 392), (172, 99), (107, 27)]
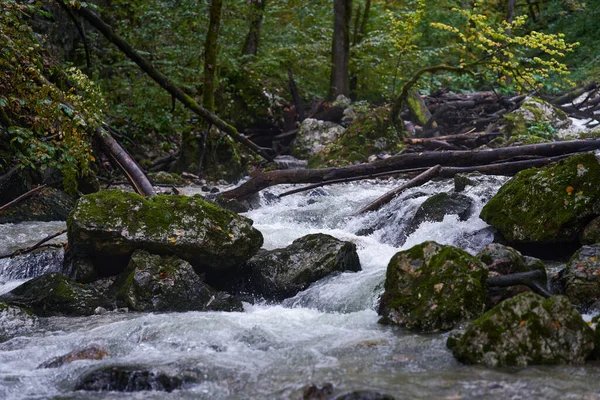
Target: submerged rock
[(128, 379), (110, 225), (547, 205), (157, 283), (282, 273), (364, 395), (54, 295), (431, 287), (92, 352), (581, 277), (526, 330), (15, 321)]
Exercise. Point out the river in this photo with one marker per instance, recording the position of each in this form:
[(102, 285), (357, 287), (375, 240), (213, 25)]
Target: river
[(325, 334)]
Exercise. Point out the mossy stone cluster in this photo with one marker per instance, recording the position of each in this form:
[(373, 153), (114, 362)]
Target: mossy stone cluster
[(115, 223), (370, 133), (282, 273), (534, 111), (547, 205), (432, 287), (526, 330), (157, 283), (582, 276)]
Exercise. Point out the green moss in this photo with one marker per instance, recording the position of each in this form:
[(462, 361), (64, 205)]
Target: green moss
[(370, 133), (551, 204)]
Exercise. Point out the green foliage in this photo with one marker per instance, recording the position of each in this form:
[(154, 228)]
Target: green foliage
[(46, 126), (543, 129)]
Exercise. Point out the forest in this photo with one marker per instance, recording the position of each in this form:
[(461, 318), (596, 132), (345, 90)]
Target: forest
[(299, 199)]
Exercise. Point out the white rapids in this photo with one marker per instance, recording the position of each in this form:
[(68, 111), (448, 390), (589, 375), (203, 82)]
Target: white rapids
[(325, 334)]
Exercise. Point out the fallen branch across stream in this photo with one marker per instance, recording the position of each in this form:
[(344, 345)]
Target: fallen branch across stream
[(495, 161), (35, 246)]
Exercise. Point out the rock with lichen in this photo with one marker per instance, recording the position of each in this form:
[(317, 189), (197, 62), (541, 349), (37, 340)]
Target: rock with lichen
[(532, 116), (526, 330), (313, 135), (581, 277), (167, 283), (547, 205), (432, 287), (109, 225)]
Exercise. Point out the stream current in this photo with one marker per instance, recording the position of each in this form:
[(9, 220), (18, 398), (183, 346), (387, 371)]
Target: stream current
[(325, 334)]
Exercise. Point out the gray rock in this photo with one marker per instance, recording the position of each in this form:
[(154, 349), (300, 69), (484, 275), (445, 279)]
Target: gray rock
[(313, 135), (281, 273), (128, 379), (431, 287), (581, 277), (48, 204), (157, 283), (440, 205), (526, 330)]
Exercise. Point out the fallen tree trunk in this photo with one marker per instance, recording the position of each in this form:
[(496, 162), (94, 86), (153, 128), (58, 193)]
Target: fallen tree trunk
[(532, 279), (165, 83), (470, 158)]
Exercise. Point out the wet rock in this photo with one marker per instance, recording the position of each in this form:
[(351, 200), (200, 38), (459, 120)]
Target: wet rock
[(108, 226), (48, 204), (591, 233), (432, 287), (581, 277), (16, 321), (439, 205), (128, 379), (364, 395), (54, 295), (547, 205), (92, 352), (36, 263), (79, 267), (314, 392), (313, 135), (229, 204), (526, 330), (167, 283), (282, 273)]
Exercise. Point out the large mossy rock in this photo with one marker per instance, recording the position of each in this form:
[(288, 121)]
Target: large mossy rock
[(168, 283), (432, 287), (370, 133), (281, 273), (526, 330), (547, 205), (54, 295), (581, 277), (534, 111), (114, 224), (313, 135), (15, 321)]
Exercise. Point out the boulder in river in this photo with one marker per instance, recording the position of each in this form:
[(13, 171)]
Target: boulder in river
[(281, 273), (313, 135), (533, 114), (547, 205), (48, 204), (526, 330), (168, 283), (110, 225), (128, 379), (581, 277), (432, 287), (54, 295), (15, 321)]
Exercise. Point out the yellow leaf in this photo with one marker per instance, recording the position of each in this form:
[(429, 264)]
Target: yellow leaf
[(570, 190), (172, 240)]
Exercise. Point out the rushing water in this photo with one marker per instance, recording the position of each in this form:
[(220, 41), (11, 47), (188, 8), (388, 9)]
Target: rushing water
[(327, 333)]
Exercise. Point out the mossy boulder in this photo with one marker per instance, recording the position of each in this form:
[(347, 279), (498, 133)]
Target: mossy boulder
[(591, 233), (49, 204), (167, 283), (547, 205), (581, 277), (526, 330), (15, 321), (370, 133), (313, 135), (281, 273), (432, 287), (534, 112), (54, 295), (439, 205), (112, 224)]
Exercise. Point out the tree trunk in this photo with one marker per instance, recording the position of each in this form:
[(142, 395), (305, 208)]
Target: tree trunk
[(257, 11), (340, 52), (210, 55), (359, 34)]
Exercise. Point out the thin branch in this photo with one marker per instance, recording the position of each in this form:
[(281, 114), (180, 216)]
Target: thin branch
[(21, 197), (35, 246)]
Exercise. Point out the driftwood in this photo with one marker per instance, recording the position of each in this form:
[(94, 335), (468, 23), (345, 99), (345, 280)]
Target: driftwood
[(389, 196), (21, 197), (165, 83), (473, 158), (532, 279)]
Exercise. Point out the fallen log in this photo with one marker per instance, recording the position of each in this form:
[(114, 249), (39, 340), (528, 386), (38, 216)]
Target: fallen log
[(389, 196), (165, 83), (460, 158), (532, 279)]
